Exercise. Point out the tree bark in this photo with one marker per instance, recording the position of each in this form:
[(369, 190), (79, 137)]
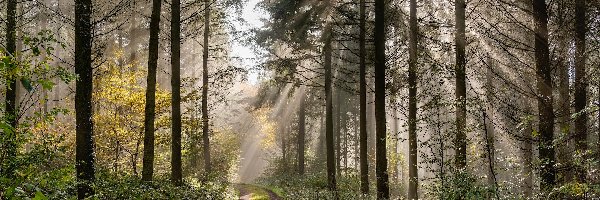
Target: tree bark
[(489, 125), (545, 101), (11, 85), (331, 182), (364, 159), (564, 151), (176, 176), (413, 182), (149, 111), (580, 84), (380, 123), (461, 88), (527, 154), (205, 125), (338, 126), (301, 133), (84, 155)]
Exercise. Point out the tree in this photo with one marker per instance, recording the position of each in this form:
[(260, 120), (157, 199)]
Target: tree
[(412, 105), (301, 132), (461, 89), (364, 164), (205, 128), (176, 174), (11, 83), (580, 83), (149, 111), (331, 182), (381, 132), (544, 96), (84, 155)]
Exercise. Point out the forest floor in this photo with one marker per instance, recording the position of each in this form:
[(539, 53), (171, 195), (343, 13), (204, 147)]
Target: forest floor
[(254, 192)]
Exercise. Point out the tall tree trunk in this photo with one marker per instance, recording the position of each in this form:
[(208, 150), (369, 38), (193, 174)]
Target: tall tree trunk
[(149, 111), (338, 132), (331, 182), (545, 101), (205, 128), (580, 84), (176, 93), (412, 116), (413, 182), (564, 151), (283, 133), (364, 159), (381, 172), (301, 133), (461, 88), (11, 85), (84, 155), (489, 125), (344, 131)]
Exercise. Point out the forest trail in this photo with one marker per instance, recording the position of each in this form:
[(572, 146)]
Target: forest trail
[(254, 192)]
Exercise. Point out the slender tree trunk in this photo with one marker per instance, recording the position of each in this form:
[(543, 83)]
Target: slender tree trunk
[(205, 125), (301, 133), (84, 155), (176, 176), (329, 111), (580, 84), (338, 132), (283, 132), (364, 158), (527, 148), (149, 111), (344, 131), (11, 85), (545, 101), (381, 172), (564, 151), (489, 125), (413, 182), (461, 88)]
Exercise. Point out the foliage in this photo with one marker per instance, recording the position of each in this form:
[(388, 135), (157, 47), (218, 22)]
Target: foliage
[(60, 184), (36, 149), (119, 99), (459, 185), (312, 186)]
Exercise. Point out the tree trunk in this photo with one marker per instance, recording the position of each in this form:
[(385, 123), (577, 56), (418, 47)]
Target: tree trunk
[(580, 84), (489, 125), (176, 93), (283, 133), (413, 182), (149, 111), (205, 128), (338, 132), (380, 126), (564, 151), (301, 133), (11, 85), (461, 88), (84, 155), (364, 159), (544, 88), (329, 111)]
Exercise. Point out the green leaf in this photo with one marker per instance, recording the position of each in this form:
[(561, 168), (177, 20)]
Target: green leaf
[(27, 84), (47, 84), (5, 127), (39, 196)]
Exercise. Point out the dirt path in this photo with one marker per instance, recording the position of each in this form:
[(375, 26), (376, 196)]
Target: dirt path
[(253, 192)]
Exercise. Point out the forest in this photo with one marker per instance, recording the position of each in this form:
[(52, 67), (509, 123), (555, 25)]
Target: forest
[(299, 99)]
